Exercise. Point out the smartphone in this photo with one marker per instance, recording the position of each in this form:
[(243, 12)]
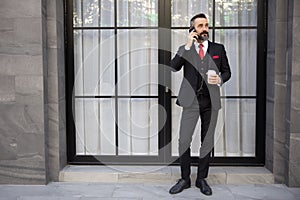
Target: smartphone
[(193, 29)]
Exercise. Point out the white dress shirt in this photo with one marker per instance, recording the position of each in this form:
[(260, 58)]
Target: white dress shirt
[(205, 46)]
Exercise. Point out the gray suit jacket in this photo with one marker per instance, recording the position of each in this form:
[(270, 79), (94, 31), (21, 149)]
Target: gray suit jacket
[(217, 60)]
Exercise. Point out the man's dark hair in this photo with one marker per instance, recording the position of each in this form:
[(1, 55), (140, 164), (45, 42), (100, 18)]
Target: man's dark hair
[(200, 15)]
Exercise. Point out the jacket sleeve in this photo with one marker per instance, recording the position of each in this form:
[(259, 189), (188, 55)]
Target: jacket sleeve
[(225, 68), (178, 60)]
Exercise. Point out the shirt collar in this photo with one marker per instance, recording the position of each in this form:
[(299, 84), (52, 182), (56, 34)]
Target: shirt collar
[(205, 44)]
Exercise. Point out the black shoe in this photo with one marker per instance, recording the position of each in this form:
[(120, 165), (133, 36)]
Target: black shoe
[(204, 187), (180, 185)]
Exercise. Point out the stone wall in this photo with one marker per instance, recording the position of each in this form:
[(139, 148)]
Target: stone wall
[(283, 104), (294, 116), (32, 103), (22, 91), (56, 139), (270, 73)]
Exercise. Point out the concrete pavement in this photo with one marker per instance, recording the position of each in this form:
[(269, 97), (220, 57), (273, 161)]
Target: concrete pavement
[(146, 191)]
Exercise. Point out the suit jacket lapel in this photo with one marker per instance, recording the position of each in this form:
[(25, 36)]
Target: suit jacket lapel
[(195, 56), (209, 48), (210, 53)]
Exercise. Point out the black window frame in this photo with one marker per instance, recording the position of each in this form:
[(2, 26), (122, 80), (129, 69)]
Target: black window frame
[(164, 22)]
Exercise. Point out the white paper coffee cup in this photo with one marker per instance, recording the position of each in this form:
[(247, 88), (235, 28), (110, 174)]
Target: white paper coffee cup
[(210, 73)]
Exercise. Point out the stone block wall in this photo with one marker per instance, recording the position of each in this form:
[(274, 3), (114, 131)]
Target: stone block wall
[(32, 95), (294, 116), (22, 92), (56, 138), (283, 77)]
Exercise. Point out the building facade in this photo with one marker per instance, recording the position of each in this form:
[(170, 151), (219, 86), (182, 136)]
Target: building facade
[(38, 45)]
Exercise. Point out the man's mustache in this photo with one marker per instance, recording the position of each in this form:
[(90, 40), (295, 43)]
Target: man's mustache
[(203, 35), (204, 32)]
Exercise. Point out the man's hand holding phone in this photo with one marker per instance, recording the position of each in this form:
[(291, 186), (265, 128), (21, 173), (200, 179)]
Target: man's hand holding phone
[(192, 37)]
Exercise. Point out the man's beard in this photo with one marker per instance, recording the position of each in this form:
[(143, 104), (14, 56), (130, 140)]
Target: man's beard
[(203, 36)]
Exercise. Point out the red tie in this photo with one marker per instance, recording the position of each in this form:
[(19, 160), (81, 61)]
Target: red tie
[(201, 52)]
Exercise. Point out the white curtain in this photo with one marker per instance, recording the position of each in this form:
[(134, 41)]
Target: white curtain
[(137, 76), (95, 75)]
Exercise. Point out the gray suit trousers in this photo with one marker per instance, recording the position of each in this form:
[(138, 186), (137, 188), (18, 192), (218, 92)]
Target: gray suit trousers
[(201, 107)]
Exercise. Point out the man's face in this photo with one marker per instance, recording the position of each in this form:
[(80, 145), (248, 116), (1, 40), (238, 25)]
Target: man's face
[(201, 27)]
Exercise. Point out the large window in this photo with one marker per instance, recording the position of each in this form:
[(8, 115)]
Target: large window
[(119, 106)]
